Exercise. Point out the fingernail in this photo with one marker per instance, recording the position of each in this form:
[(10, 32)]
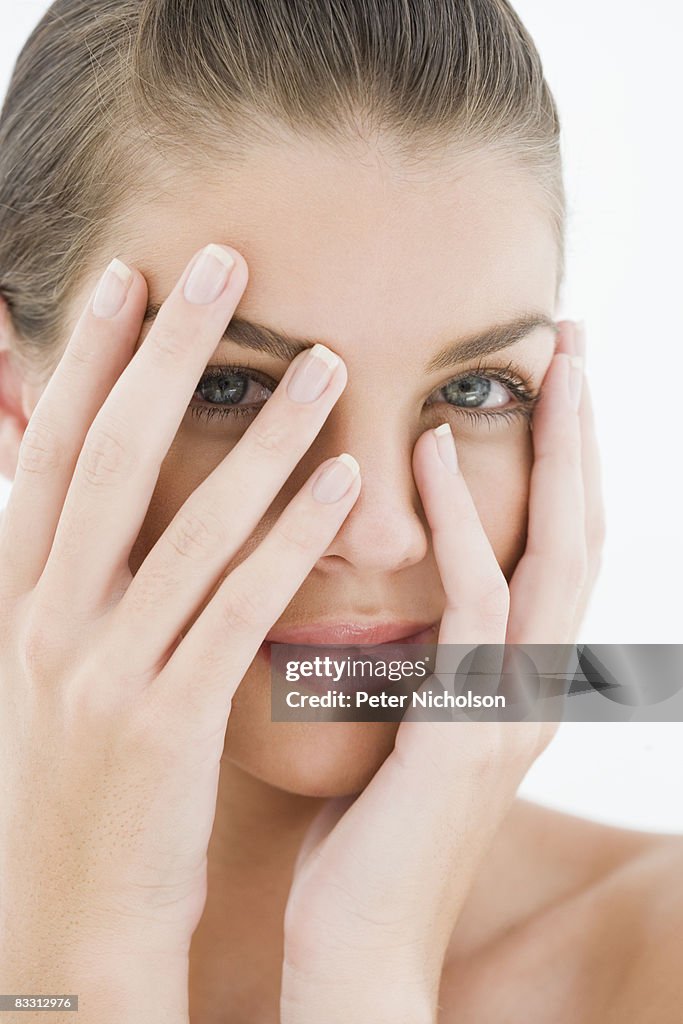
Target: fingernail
[(445, 444), (336, 479), (580, 338), (575, 380), (112, 290), (312, 375), (209, 275)]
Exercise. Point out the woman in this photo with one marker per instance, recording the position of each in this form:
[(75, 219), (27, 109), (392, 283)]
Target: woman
[(191, 482)]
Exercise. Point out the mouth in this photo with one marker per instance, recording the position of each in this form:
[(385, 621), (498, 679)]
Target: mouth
[(354, 635)]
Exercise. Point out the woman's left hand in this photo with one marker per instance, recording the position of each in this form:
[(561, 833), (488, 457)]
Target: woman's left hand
[(382, 876)]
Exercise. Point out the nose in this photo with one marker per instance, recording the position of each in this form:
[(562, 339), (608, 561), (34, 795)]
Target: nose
[(386, 529)]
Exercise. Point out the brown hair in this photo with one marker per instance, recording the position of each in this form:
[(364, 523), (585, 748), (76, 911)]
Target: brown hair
[(105, 91)]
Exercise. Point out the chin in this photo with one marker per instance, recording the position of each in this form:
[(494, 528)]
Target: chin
[(317, 759)]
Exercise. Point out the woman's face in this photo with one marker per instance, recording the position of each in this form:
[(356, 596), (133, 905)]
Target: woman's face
[(388, 270)]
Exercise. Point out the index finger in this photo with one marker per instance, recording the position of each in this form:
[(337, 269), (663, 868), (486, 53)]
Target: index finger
[(546, 585), (118, 468), (95, 355)]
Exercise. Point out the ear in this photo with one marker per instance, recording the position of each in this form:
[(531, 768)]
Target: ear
[(18, 397)]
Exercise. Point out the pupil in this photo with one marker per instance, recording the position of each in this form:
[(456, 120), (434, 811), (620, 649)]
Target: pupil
[(468, 390), (229, 389)]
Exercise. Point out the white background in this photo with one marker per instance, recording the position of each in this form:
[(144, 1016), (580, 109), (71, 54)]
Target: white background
[(614, 67)]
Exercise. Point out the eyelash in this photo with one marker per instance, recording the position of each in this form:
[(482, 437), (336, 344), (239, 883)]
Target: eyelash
[(512, 377), (215, 374), (509, 375)]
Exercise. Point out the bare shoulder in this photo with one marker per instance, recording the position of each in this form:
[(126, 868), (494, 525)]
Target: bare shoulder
[(574, 921), (624, 921), (646, 895)]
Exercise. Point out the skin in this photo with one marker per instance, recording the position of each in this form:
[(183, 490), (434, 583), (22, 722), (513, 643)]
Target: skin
[(353, 253)]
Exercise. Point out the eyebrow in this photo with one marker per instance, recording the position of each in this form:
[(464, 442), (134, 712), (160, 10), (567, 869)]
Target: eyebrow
[(257, 337)]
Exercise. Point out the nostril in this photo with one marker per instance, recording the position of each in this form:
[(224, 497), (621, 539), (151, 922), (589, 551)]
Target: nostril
[(378, 538)]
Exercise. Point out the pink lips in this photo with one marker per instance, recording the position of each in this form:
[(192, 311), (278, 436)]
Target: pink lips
[(353, 634)]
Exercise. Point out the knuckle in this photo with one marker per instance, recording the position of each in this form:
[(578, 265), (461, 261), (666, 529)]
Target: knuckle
[(493, 603), (82, 355), (271, 438), (165, 342), (241, 612), (196, 533), (38, 646), (40, 450), (298, 534), (107, 455)]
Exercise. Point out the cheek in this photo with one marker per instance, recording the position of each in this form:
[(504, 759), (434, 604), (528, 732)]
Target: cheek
[(497, 471)]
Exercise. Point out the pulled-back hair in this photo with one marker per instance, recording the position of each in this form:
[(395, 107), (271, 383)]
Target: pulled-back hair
[(107, 95)]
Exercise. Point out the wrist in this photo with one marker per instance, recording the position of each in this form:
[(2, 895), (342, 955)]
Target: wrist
[(335, 1007), (111, 984), (339, 998)]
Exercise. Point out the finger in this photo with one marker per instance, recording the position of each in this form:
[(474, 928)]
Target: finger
[(99, 348), (205, 669), (186, 562), (119, 464), (477, 599), (592, 485), (572, 341), (476, 591), (546, 585), (595, 515)]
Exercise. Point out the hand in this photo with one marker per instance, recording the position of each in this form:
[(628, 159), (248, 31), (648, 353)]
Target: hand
[(113, 721), (382, 877)]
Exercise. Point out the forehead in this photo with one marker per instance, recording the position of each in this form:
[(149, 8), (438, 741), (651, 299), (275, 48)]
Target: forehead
[(352, 248)]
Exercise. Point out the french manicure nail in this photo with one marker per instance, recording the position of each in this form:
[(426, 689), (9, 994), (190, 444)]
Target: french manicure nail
[(209, 275), (575, 380), (336, 479), (112, 290), (445, 444), (313, 374)]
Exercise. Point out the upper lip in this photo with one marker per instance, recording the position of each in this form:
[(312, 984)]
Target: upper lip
[(347, 631)]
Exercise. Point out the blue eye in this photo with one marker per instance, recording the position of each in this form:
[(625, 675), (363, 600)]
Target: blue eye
[(476, 392), (494, 395), (231, 391)]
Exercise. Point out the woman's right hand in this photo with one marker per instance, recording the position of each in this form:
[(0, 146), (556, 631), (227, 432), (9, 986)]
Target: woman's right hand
[(113, 718)]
